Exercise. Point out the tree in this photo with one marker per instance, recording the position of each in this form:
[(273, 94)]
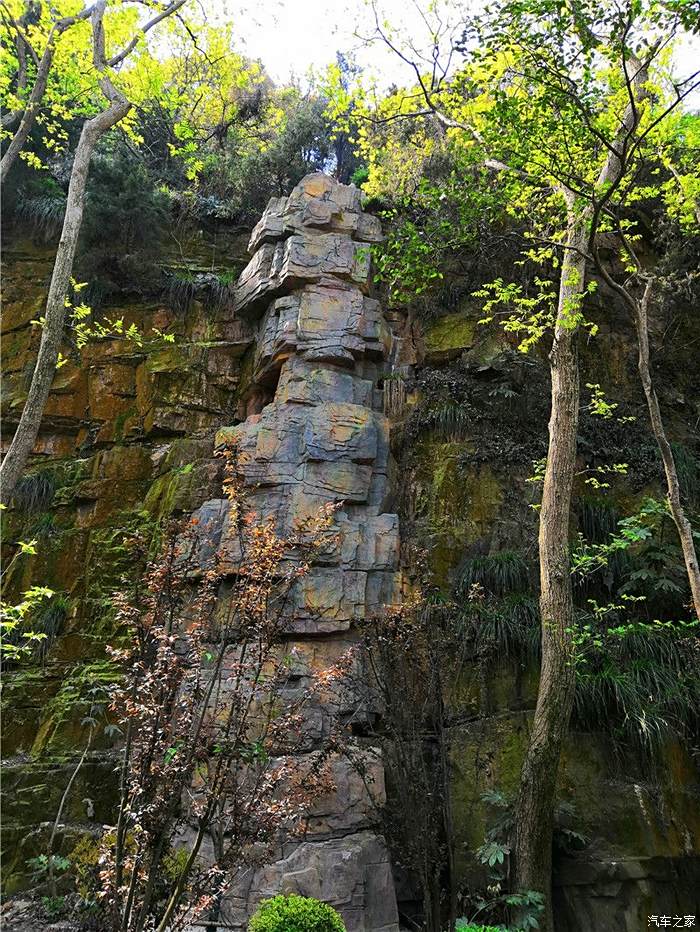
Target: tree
[(640, 283), (557, 101), (24, 32), (94, 128)]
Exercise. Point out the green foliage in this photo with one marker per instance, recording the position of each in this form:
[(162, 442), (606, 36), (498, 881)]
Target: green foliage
[(41, 204), (84, 691), (42, 862), (295, 914), (529, 906), (48, 619), (598, 518), (635, 683), (504, 628), (492, 853), (500, 617), (448, 420), (500, 573), (35, 491), (238, 178), (526, 905), (19, 639), (53, 906), (463, 925), (45, 868), (175, 862), (124, 225), (428, 227), (632, 679), (630, 531), (41, 487), (125, 211), (359, 176), (640, 560), (85, 861), (530, 311)]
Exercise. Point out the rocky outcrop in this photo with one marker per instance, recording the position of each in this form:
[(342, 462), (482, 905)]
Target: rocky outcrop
[(320, 439), (298, 356)]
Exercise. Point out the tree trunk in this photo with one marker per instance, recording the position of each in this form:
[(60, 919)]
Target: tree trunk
[(52, 332), (535, 805), (685, 531)]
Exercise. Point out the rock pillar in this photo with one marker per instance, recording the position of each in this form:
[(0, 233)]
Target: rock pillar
[(318, 435)]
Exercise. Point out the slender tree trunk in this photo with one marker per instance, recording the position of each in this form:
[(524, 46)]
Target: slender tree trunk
[(52, 332), (685, 531), (535, 805), (93, 130), (57, 821)]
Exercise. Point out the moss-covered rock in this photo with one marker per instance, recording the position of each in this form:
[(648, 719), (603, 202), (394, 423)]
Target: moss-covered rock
[(453, 507), (449, 336)]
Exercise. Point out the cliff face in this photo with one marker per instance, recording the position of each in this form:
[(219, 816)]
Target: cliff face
[(292, 366), (301, 349), (126, 441), (472, 422)]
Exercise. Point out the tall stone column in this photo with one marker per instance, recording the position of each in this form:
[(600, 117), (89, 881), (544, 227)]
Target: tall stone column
[(317, 435)]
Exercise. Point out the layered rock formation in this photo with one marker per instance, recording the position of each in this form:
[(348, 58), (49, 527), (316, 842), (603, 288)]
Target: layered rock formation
[(127, 442), (321, 439)]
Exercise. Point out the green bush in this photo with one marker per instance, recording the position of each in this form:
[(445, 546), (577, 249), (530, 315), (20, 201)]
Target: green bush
[(295, 914), (464, 926)]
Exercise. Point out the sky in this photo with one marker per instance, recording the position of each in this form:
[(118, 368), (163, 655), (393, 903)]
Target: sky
[(292, 36)]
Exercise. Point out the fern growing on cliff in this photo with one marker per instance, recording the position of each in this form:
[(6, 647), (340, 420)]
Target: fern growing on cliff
[(499, 573)]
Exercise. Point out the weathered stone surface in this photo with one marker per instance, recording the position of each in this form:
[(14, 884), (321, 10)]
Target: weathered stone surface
[(309, 660), (322, 322), (209, 521), (328, 599), (353, 873), (281, 267), (340, 482), (322, 438), (316, 203), (335, 432), (351, 805), (371, 543), (619, 896), (307, 383)]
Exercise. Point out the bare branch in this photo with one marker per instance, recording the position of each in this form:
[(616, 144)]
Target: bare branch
[(131, 45)]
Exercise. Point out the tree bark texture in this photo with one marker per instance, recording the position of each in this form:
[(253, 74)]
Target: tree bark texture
[(52, 333), (535, 805)]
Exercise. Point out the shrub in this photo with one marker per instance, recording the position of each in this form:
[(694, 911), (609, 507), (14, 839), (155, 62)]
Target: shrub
[(463, 926), (295, 914)]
